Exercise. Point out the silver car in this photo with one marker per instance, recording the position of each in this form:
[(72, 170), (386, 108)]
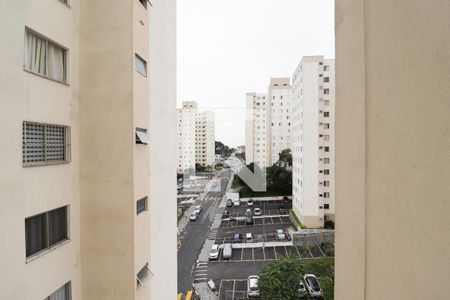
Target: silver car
[(312, 285)]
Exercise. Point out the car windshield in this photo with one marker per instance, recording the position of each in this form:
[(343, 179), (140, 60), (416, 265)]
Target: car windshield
[(253, 284), (313, 283), (214, 251)]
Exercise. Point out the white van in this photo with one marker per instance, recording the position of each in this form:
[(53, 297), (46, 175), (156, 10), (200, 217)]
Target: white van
[(227, 251), (252, 286)]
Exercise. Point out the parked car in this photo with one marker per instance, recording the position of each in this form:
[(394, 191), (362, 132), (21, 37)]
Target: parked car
[(198, 209), (227, 251), (214, 252), (229, 203), (248, 211), (250, 202), (257, 211), (252, 286), (302, 290), (193, 216), (236, 202), (249, 237), (280, 234), (248, 220), (226, 214), (312, 286), (237, 238)]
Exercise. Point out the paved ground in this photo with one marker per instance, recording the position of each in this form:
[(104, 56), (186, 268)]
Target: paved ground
[(194, 235)]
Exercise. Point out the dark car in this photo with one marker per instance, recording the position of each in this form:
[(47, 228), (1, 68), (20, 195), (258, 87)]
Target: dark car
[(237, 238), (229, 203), (226, 214)]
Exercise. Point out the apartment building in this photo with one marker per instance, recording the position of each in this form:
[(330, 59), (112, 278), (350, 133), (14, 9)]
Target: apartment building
[(313, 141), (280, 117), (392, 141), (268, 122), (75, 170), (195, 137), (256, 129)]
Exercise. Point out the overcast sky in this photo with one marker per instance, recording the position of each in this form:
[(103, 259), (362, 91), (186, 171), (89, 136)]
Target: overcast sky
[(227, 48)]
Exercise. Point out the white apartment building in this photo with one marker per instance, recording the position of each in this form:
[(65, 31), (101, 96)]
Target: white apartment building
[(195, 137), (313, 141), (268, 123), (256, 129), (75, 168), (280, 111)]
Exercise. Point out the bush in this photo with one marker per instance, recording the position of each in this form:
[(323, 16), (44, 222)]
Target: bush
[(297, 220), (329, 224)]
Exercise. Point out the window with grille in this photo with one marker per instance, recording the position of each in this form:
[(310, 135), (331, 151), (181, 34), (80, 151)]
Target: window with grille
[(141, 205), (141, 65), (326, 160), (46, 230), (45, 144), (63, 293), (326, 172)]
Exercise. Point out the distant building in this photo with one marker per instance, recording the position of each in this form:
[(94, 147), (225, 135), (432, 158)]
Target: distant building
[(313, 141), (195, 137), (268, 122)]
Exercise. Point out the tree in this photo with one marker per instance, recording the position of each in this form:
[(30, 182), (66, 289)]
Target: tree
[(279, 279), (222, 149), (285, 158)]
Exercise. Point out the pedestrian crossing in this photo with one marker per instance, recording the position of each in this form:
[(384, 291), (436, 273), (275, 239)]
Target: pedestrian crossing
[(201, 272), (212, 234), (212, 198)]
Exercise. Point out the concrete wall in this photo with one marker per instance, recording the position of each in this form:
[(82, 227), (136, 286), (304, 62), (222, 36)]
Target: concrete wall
[(392, 136), (29, 191), (163, 149)]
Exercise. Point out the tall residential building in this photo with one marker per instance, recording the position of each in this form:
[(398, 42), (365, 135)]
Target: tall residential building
[(75, 167), (268, 123), (280, 112), (195, 137), (313, 141), (392, 157)]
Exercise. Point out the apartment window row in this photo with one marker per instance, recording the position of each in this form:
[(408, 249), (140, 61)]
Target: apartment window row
[(63, 293), (44, 57), (46, 230), (45, 144)]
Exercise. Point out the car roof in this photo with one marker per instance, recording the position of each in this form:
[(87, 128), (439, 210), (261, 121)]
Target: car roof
[(248, 234)]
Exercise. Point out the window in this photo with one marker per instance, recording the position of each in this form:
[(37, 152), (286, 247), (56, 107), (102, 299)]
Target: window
[(44, 144), (44, 57), (63, 293), (144, 3), (142, 136), (141, 65), (326, 137), (326, 206), (143, 276), (326, 79), (326, 160), (327, 149), (141, 205), (45, 230), (326, 68), (326, 195), (326, 172), (326, 102), (326, 114), (326, 125), (326, 183), (326, 91)]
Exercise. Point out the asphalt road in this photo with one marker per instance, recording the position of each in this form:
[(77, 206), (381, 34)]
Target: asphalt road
[(193, 237)]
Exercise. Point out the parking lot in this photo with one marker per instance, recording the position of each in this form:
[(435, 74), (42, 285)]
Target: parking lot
[(233, 289)]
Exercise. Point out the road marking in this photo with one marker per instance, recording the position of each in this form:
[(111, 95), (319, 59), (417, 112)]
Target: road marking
[(188, 295), (179, 296)]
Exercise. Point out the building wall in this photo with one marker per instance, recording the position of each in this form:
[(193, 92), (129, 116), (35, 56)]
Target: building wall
[(162, 49), (186, 139), (29, 191), (204, 138), (280, 114), (249, 157), (392, 129), (114, 170), (313, 135), (257, 132)]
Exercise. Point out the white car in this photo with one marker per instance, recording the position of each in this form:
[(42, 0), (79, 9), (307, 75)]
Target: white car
[(193, 216), (198, 209), (301, 290), (280, 234), (312, 285), (249, 237), (214, 252), (252, 286), (250, 202), (257, 211)]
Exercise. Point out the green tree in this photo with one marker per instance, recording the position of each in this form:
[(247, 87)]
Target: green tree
[(285, 158), (279, 179), (279, 279)]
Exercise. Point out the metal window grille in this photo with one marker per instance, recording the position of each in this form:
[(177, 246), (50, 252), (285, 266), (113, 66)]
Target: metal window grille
[(141, 205), (63, 293), (45, 144)]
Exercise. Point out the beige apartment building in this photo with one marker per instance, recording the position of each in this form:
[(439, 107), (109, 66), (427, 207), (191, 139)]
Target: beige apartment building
[(392, 149), (75, 178), (313, 112)]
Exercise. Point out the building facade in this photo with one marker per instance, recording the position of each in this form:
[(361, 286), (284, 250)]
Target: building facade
[(268, 123), (76, 168), (313, 141), (392, 141), (195, 137)]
